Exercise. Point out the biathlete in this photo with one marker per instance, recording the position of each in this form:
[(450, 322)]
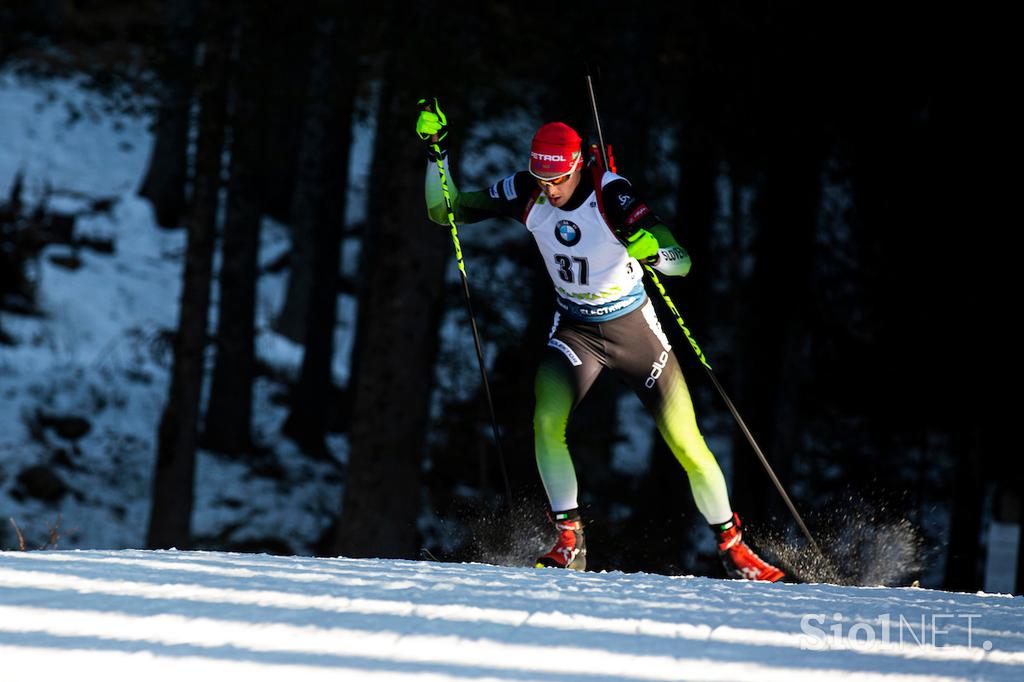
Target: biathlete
[(593, 232)]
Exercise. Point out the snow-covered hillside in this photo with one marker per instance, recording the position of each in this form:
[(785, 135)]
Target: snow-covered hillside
[(131, 615), (98, 350)]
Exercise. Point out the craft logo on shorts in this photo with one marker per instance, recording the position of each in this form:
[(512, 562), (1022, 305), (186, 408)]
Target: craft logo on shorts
[(568, 232)]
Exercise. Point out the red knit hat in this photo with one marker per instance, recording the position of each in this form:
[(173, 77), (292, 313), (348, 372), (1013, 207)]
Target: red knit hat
[(555, 150)]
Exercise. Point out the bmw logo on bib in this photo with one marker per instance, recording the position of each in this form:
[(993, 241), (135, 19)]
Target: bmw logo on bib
[(568, 232)]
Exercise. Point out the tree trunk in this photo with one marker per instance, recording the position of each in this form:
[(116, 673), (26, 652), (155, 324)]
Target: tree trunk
[(229, 417), (785, 213), (318, 214), (287, 55), (963, 558), (696, 205), (396, 340), (164, 184), (1012, 483), (171, 513), (323, 106)]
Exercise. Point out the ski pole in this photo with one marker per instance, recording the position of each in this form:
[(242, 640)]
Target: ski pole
[(469, 307), (700, 355)]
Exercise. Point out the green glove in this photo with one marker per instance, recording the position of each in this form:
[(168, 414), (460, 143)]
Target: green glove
[(642, 245), (431, 121)]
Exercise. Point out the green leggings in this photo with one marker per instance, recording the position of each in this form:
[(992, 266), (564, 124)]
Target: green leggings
[(636, 349)]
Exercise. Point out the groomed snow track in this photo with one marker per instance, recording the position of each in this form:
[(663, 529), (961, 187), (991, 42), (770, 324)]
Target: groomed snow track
[(135, 615)]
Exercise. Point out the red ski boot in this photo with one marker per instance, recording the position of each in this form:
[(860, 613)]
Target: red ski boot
[(738, 559), (570, 550)]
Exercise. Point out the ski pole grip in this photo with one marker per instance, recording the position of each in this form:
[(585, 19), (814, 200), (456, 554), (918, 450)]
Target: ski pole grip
[(431, 105)]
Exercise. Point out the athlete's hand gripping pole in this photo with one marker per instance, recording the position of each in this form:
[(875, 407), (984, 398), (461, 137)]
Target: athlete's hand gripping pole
[(432, 127)]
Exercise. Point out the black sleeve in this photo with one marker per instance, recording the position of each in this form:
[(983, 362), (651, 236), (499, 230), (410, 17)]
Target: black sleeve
[(504, 199), (626, 211), (510, 196)]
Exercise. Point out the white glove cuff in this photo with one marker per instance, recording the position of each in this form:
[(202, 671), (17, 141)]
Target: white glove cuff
[(673, 261)]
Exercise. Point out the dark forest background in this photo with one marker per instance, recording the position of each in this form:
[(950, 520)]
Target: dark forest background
[(808, 156)]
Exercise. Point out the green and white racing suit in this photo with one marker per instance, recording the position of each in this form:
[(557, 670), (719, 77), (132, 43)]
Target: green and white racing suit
[(603, 318)]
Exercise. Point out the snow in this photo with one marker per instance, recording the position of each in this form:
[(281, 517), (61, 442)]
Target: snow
[(257, 617)]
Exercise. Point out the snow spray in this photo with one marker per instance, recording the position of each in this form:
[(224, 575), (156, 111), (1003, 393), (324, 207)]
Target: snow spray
[(863, 544)]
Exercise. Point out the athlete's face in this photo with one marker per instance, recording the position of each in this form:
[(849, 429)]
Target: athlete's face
[(559, 194)]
